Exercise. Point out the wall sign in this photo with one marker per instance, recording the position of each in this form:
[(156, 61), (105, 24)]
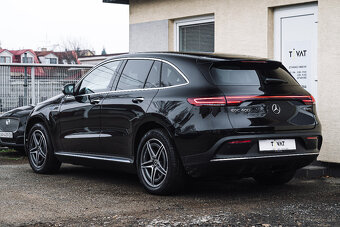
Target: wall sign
[(296, 56)]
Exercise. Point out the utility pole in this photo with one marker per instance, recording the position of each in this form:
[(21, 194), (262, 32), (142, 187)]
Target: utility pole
[(25, 80)]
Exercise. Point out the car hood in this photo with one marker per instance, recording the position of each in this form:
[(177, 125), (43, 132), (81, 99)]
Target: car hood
[(19, 112)]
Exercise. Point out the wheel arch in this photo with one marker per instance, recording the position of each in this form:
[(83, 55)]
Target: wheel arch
[(147, 126), (31, 122)]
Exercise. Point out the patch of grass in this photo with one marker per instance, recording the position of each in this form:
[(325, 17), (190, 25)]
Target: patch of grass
[(6, 150)]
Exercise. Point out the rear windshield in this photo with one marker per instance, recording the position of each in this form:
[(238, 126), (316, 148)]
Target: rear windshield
[(239, 73)]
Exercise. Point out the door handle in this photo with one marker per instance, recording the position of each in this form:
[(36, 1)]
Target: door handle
[(95, 101), (138, 100)]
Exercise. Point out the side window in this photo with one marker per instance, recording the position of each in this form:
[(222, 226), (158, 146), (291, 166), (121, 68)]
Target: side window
[(100, 79), (134, 74), (154, 76), (170, 76)]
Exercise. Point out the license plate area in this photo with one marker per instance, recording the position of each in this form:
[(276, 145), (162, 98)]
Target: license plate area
[(277, 145), (7, 135)]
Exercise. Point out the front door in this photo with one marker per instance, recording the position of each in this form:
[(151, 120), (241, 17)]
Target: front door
[(80, 115), (295, 43)]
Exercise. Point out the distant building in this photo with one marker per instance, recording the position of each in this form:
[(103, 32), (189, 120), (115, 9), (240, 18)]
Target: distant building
[(67, 57), (47, 57), (83, 53), (19, 56), (5, 56)]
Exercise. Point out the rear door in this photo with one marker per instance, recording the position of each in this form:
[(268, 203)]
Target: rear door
[(127, 105), (263, 96)]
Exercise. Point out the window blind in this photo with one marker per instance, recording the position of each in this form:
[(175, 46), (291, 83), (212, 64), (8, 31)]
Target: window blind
[(197, 37)]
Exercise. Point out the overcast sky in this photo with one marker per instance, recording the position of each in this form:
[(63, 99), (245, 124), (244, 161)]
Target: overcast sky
[(33, 24)]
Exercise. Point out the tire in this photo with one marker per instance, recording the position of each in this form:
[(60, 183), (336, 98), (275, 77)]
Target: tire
[(40, 151), (158, 165), (275, 178)]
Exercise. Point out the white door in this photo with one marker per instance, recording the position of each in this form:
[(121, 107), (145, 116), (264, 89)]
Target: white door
[(295, 43)]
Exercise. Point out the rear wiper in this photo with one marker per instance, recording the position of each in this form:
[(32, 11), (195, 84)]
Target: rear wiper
[(274, 81)]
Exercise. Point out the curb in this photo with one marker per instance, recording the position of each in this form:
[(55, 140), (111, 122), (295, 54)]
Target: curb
[(319, 169)]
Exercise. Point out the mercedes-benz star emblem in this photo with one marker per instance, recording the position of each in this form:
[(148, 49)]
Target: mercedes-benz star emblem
[(276, 109), (8, 121)]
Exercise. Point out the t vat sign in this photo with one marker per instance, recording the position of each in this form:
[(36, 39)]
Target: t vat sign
[(297, 60), (297, 53)]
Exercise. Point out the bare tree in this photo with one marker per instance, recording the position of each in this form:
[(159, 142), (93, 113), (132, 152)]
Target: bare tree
[(78, 46)]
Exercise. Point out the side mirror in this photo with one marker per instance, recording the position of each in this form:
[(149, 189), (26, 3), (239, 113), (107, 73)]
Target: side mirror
[(69, 89)]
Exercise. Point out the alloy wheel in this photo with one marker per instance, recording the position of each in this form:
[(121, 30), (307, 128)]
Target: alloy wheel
[(154, 162), (37, 149)]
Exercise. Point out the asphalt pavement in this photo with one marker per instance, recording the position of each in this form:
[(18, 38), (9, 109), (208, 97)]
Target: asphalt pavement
[(81, 196)]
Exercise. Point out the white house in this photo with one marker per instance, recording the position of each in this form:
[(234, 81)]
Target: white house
[(5, 56)]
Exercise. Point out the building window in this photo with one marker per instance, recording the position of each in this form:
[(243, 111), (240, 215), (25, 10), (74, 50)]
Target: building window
[(195, 35), (5, 59), (27, 60), (53, 60)]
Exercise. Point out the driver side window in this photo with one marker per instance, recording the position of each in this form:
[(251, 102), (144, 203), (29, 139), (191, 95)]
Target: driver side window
[(100, 79)]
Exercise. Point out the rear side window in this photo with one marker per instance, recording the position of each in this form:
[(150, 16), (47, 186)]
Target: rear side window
[(134, 74), (250, 74), (170, 76), (154, 76)]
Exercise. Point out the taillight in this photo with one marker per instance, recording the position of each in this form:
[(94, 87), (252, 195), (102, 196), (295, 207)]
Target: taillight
[(237, 100), (309, 101), (211, 101)]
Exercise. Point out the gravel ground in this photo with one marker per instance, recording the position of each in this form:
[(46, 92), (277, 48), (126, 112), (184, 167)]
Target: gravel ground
[(80, 196)]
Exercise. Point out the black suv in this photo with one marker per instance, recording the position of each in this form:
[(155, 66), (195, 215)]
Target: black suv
[(173, 115)]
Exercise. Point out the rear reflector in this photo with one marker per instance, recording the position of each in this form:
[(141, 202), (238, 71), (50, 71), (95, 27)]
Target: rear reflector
[(239, 141), (236, 100), (312, 138), (211, 101)]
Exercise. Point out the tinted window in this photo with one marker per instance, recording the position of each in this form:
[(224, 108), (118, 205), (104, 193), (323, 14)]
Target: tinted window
[(251, 74), (134, 74), (235, 77), (154, 76), (99, 80), (170, 76)]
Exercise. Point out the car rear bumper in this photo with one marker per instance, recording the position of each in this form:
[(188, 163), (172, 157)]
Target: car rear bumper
[(247, 160)]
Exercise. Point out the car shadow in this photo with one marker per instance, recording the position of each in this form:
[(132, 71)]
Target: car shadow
[(213, 187)]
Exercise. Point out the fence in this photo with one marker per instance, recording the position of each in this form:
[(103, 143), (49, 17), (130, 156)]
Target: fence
[(25, 84)]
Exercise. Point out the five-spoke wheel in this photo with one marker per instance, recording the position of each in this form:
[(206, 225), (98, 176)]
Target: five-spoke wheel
[(158, 165), (40, 150), (37, 149), (154, 162)]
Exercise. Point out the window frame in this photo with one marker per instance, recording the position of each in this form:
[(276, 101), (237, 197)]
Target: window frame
[(120, 70), (79, 83), (49, 60), (6, 57), (191, 21)]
